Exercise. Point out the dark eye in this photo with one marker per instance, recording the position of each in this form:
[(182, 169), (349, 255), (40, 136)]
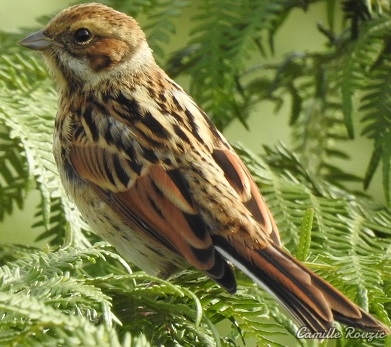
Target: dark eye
[(82, 35)]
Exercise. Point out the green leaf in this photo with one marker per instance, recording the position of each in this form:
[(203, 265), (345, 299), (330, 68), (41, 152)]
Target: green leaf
[(305, 235)]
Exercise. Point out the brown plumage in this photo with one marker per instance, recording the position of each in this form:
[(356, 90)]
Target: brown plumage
[(152, 175)]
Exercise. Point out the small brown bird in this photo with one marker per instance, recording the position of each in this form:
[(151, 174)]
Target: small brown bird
[(153, 176)]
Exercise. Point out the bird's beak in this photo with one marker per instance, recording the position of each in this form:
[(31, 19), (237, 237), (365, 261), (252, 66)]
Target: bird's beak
[(37, 41)]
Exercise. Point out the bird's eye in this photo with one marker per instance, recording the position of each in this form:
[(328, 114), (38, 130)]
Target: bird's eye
[(83, 36)]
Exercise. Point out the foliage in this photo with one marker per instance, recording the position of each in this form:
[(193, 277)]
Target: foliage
[(79, 292)]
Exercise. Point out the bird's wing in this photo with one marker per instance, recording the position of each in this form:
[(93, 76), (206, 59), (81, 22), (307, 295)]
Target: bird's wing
[(129, 155), (240, 179)]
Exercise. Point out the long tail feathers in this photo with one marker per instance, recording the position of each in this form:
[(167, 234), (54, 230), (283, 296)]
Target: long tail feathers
[(312, 301)]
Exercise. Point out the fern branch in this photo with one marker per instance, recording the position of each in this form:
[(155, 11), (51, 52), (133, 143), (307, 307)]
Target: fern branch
[(31, 121), (14, 177), (376, 105)]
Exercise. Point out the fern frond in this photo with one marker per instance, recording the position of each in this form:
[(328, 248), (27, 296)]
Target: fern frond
[(160, 23), (57, 305), (11, 252), (318, 130), (14, 177), (31, 120), (29, 322), (355, 64), (357, 11), (220, 48), (376, 105)]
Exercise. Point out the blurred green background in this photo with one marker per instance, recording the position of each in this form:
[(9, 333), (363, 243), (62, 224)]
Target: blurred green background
[(265, 125)]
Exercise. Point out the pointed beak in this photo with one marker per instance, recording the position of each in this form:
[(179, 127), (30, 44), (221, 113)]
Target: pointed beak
[(37, 41)]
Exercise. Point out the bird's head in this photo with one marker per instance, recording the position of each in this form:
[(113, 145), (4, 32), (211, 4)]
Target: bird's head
[(89, 43)]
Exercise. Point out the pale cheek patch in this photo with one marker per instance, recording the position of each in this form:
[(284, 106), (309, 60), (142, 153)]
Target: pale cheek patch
[(81, 69)]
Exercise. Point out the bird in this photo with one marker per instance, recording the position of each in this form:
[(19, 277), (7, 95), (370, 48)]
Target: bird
[(152, 175)]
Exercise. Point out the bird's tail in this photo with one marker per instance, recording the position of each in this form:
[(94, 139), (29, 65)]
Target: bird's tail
[(312, 301)]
